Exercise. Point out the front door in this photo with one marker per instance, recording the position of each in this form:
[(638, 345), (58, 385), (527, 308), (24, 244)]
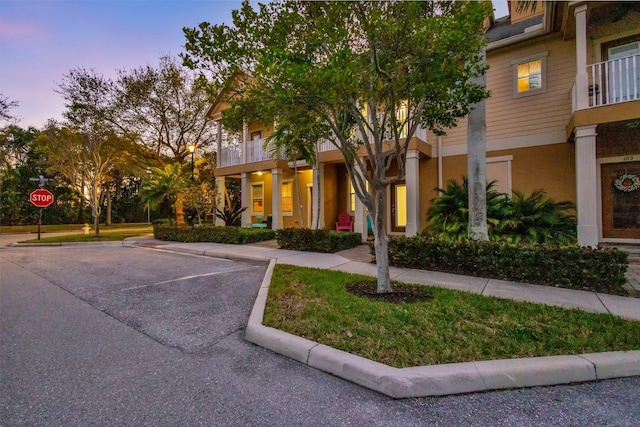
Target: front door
[(398, 207), (620, 200)]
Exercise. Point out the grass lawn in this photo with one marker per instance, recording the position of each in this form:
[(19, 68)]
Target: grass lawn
[(105, 235), (451, 327), (19, 229)]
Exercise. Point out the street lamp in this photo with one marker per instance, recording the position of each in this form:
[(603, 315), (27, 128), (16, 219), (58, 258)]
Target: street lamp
[(192, 149)]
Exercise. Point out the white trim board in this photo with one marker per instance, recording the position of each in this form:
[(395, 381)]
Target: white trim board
[(525, 141)]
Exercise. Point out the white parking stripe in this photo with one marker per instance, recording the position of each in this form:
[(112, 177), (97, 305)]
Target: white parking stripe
[(185, 278)]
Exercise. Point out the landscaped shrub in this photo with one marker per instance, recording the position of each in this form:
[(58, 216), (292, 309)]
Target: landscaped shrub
[(533, 219), (207, 233), (306, 239), (573, 267)]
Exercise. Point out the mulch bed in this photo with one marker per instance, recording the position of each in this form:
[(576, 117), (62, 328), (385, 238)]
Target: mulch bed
[(401, 293)]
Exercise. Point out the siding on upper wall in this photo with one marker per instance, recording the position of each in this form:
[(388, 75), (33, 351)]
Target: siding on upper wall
[(509, 117)]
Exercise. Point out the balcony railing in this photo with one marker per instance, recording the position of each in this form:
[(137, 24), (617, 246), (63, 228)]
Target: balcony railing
[(614, 81), (249, 152)]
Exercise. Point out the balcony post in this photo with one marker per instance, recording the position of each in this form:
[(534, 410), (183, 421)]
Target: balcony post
[(582, 78), (220, 189), (245, 138), (276, 198), (413, 193), (586, 182), (245, 220), (218, 143)]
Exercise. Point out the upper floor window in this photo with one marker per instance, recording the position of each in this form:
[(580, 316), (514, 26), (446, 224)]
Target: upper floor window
[(529, 75)]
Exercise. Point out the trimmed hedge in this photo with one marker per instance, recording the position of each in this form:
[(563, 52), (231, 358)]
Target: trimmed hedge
[(306, 239), (573, 267), (208, 233)]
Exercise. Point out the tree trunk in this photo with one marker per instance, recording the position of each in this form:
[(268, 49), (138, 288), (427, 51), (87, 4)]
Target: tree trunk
[(476, 167), (95, 210), (179, 210), (109, 206), (381, 243), (297, 184)]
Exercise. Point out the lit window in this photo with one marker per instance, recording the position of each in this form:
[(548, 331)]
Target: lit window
[(529, 75), (287, 197), (257, 198), (401, 116), (352, 197)]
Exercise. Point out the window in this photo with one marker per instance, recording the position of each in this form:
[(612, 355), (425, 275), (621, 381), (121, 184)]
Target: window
[(287, 198), (352, 197), (257, 198), (529, 75), (256, 135), (401, 116)]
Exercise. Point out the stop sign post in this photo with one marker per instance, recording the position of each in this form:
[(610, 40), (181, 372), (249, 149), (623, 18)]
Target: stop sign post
[(41, 198)]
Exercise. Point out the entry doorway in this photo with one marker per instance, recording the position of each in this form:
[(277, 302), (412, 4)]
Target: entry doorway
[(398, 207), (620, 184)]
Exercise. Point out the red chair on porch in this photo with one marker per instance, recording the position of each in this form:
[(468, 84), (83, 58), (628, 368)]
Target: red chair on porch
[(345, 222)]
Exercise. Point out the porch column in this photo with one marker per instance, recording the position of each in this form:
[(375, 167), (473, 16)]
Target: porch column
[(220, 188), (218, 143), (245, 139), (317, 215), (582, 78), (412, 168), (586, 194), (245, 220), (360, 214), (276, 198)]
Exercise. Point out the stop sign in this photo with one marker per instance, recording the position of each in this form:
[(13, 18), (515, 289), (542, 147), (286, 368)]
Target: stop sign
[(41, 197)]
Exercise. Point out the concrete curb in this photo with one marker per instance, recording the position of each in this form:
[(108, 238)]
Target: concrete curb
[(47, 244), (437, 380)]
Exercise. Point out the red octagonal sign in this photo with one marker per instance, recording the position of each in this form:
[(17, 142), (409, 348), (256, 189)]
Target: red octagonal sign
[(41, 197)]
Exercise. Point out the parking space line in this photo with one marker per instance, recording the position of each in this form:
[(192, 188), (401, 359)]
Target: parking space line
[(184, 278)]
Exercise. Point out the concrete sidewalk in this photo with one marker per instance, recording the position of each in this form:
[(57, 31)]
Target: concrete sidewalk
[(628, 308)]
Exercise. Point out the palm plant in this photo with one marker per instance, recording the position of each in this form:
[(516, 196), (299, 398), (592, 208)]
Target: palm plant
[(231, 214), (448, 216), (536, 219), (165, 184)]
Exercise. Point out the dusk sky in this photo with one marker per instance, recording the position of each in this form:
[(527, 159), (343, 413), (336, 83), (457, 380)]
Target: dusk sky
[(41, 40)]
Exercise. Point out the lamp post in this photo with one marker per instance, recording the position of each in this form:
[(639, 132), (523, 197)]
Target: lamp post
[(192, 150)]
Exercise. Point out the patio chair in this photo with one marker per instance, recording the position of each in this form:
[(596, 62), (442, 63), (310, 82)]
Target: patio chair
[(345, 222)]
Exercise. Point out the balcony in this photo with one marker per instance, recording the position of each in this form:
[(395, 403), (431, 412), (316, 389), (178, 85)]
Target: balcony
[(249, 152), (612, 82)]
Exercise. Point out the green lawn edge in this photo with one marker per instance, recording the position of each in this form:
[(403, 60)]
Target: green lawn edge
[(454, 326), (105, 236)]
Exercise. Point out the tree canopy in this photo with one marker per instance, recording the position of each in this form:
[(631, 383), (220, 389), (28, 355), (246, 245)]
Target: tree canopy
[(363, 75)]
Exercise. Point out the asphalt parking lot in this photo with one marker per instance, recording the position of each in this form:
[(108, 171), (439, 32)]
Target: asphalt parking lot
[(108, 335)]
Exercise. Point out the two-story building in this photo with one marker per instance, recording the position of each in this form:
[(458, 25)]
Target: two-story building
[(564, 116)]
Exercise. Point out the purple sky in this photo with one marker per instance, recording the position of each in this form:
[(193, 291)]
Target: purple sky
[(41, 40)]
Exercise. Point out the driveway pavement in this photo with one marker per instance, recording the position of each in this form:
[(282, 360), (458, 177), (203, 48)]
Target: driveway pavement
[(108, 335)]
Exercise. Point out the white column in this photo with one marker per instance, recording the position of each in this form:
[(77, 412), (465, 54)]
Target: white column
[(582, 79), (360, 214), (245, 138), (220, 188), (412, 168), (245, 220), (586, 192), (317, 218), (276, 198), (218, 143)]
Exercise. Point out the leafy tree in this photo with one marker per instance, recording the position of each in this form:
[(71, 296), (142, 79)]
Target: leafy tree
[(200, 198), (166, 108), (350, 67), (165, 184), (5, 106)]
